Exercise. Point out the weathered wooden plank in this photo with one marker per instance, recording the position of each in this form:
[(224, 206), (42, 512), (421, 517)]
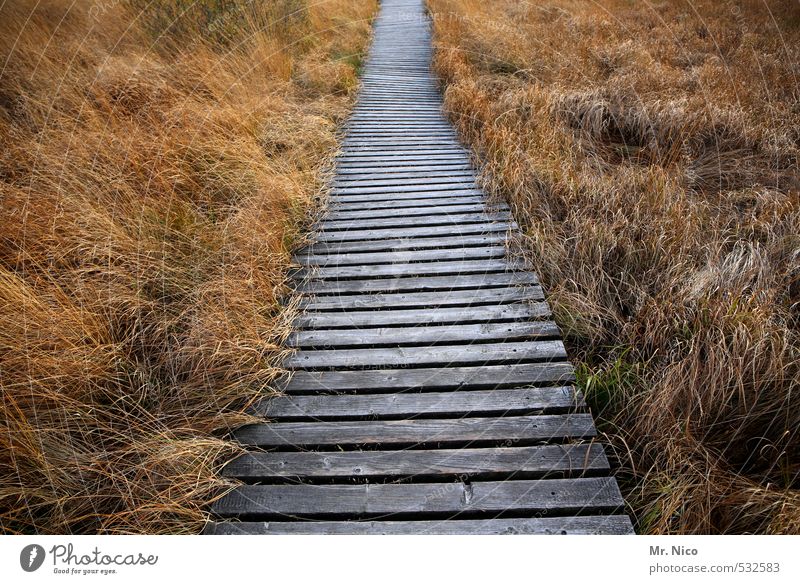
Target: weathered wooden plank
[(522, 429), (424, 299), (361, 174), (409, 160), (475, 463), (517, 401), (400, 94), (389, 147), (422, 317), (407, 129), (451, 179), (534, 351), (408, 138), (396, 115), (413, 221), (381, 206), (399, 136), (345, 214), (400, 154), (417, 284), (589, 525), (441, 268), (430, 379), (411, 188), (368, 175), (381, 144), (375, 102), (373, 258), (389, 104), (366, 127), (398, 163), (406, 243), (387, 197), (412, 232), (419, 335), (532, 496)]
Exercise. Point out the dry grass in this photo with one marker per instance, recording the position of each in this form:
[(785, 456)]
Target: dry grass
[(650, 152), (157, 162)]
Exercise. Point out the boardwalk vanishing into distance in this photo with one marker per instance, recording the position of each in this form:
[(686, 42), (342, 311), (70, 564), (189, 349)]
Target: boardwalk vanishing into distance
[(430, 391)]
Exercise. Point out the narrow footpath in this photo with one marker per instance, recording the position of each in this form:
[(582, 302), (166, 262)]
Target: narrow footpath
[(430, 391)]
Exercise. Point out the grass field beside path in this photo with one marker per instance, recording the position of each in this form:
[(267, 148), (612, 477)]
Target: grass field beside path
[(650, 154), (158, 162)]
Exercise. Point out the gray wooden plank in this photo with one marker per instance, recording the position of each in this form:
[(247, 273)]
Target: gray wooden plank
[(400, 152), (423, 299), (411, 188), (532, 496), (413, 221), (388, 147), (580, 525), (522, 429), (344, 160), (398, 115), (376, 198), (379, 206), (442, 162), (363, 127), (451, 178), (419, 335), (440, 268), (421, 171), (381, 144), (429, 379), (376, 103), (534, 351), (517, 401), (386, 105), (357, 135), (420, 317), (411, 232), (417, 284), (373, 258), (342, 213), (476, 463), (400, 139), (368, 172), (406, 243), (392, 128)]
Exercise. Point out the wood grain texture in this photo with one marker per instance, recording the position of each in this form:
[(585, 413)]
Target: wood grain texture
[(430, 379), (416, 283), (519, 462), (477, 297), (421, 316), (419, 431), (425, 336), (444, 355), (499, 402), (580, 495), (590, 525)]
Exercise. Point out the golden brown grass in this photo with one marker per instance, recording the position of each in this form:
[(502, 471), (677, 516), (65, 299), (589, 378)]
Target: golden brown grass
[(650, 152), (157, 162)]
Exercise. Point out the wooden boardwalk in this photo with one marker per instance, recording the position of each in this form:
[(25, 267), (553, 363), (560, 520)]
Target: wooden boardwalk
[(430, 391)]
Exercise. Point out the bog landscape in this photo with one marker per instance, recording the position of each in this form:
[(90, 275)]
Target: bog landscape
[(409, 266)]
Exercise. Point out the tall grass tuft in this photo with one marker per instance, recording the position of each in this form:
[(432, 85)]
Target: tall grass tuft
[(650, 153), (158, 161)]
